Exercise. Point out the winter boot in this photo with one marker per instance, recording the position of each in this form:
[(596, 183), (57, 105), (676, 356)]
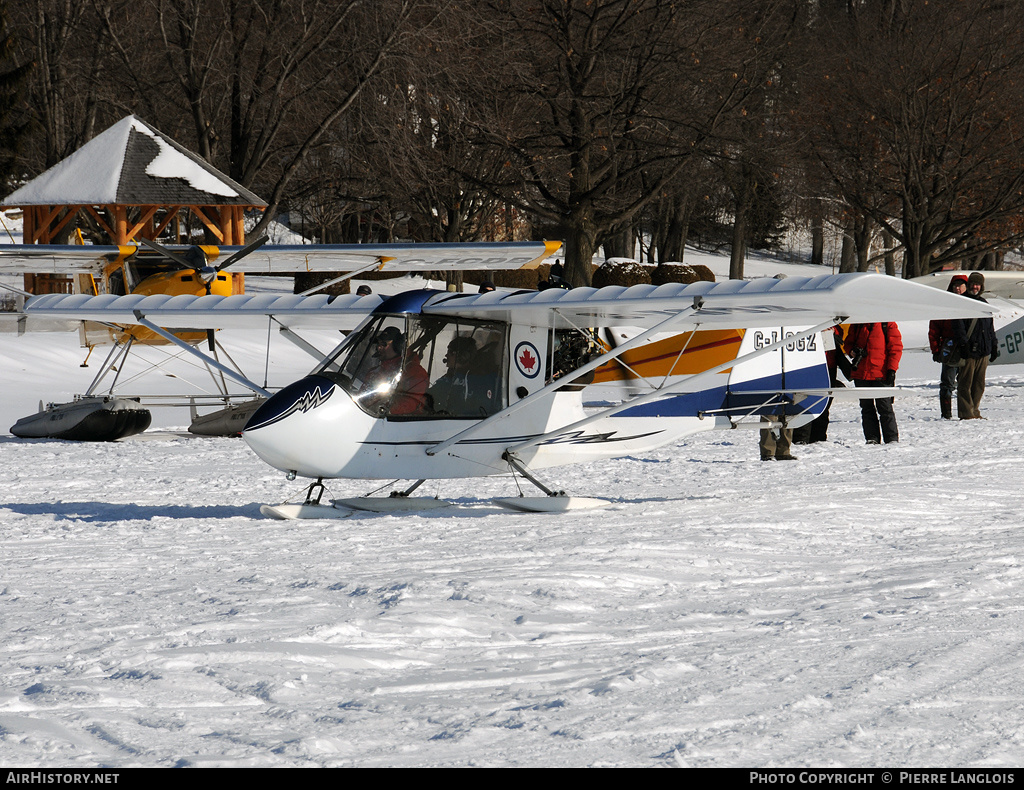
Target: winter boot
[(947, 407)]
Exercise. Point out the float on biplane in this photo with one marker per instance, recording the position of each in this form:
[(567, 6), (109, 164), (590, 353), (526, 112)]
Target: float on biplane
[(435, 385)]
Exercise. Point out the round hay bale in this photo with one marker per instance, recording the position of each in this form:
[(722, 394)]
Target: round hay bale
[(621, 271), (681, 273)]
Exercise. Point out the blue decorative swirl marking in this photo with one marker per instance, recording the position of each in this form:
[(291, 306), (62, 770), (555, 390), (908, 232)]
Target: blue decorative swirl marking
[(302, 396)]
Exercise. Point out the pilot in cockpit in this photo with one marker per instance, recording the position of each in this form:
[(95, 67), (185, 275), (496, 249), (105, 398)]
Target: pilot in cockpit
[(390, 386)]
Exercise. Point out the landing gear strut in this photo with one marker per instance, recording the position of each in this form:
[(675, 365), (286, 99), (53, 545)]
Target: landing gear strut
[(553, 502), (318, 487)]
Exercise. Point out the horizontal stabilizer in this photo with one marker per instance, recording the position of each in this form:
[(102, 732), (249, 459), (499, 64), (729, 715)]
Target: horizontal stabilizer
[(836, 393)]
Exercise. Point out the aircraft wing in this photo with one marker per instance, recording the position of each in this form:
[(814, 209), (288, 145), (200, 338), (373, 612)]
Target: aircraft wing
[(794, 301), (55, 259), (207, 312), (285, 259)]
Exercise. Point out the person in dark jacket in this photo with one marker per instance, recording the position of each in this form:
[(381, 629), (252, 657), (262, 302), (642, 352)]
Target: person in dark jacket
[(941, 342), (875, 351), (976, 339), (836, 361)]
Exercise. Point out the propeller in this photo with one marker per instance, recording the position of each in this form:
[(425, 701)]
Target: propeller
[(249, 248), (195, 259), (180, 259)]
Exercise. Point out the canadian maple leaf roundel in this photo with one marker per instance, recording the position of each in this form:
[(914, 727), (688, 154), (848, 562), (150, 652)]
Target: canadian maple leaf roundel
[(527, 359)]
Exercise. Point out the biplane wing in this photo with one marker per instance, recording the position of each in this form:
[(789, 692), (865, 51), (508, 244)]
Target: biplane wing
[(290, 259), (796, 301)]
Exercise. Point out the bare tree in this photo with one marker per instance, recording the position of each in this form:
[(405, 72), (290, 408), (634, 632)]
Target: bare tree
[(418, 136), (13, 121), (600, 97), (261, 83), (911, 110), (71, 82)]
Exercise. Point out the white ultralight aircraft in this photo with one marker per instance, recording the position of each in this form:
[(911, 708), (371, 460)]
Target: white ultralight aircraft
[(436, 385)]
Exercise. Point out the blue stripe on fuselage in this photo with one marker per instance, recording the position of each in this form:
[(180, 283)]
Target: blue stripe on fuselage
[(690, 404)]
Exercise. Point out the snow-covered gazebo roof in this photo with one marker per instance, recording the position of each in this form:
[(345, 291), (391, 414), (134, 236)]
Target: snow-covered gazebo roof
[(133, 180)]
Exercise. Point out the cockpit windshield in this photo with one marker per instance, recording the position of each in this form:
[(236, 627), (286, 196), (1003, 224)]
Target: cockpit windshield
[(423, 367)]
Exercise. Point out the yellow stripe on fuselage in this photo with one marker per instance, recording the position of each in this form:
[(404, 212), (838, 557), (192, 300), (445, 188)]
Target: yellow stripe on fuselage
[(704, 349)]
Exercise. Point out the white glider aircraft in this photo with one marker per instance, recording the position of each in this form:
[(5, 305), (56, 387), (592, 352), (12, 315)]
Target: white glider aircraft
[(435, 385)]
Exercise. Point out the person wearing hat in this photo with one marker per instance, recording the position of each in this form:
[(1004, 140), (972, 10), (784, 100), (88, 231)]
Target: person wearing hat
[(486, 287), (941, 342), (364, 290), (452, 393), (392, 387), (976, 339)]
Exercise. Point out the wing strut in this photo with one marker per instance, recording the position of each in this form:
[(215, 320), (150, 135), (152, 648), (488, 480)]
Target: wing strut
[(114, 361), (195, 352), (592, 365), (378, 263), (298, 341), (641, 399)]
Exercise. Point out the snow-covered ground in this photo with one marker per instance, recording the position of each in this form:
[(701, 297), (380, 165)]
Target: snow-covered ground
[(860, 607)]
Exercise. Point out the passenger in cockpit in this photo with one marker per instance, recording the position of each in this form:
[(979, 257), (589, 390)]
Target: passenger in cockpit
[(451, 394)]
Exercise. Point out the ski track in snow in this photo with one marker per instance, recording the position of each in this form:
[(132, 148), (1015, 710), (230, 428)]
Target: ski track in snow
[(859, 607)]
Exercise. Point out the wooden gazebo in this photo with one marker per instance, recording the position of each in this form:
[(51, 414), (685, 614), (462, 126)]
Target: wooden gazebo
[(133, 182)]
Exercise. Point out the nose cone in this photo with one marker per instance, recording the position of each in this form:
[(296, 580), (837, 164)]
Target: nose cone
[(299, 428), (301, 397)]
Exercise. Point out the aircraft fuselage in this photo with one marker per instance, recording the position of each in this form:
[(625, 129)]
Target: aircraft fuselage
[(414, 395)]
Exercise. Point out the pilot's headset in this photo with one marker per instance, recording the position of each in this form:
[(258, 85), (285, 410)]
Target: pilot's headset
[(394, 334)]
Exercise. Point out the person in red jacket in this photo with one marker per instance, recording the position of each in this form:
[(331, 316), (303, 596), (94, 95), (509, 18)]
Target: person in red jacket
[(391, 385), (875, 351)]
